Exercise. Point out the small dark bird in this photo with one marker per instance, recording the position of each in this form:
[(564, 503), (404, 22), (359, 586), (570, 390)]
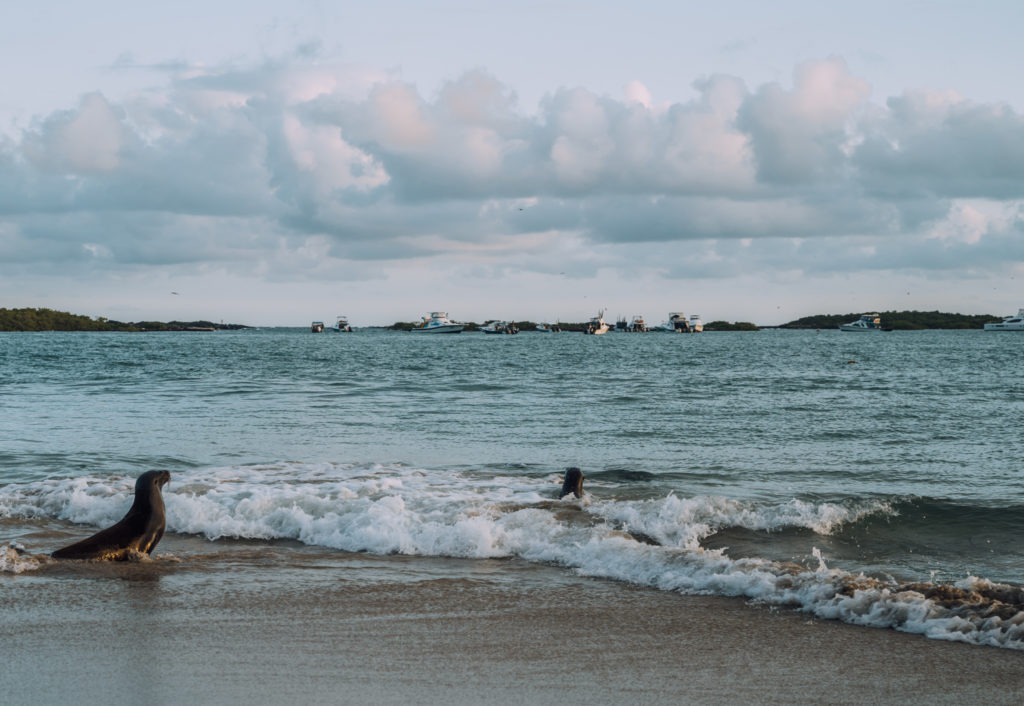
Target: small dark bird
[(175, 293)]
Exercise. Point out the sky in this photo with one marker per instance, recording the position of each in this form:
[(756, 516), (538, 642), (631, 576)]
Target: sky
[(272, 163)]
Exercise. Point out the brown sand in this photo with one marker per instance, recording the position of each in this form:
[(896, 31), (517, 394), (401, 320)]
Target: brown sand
[(369, 630)]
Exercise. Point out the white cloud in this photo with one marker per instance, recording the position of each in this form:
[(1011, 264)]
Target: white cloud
[(798, 136), (637, 92), (968, 221), (89, 139)]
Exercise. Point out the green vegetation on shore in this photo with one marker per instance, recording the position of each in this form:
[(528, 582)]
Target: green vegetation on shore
[(50, 320), (900, 320), (726, 326)]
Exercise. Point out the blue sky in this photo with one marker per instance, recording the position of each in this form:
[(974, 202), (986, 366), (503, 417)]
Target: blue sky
[(278, 162)]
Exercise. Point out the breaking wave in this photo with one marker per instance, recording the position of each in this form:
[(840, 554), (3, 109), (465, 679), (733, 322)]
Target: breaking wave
[(656, 541)]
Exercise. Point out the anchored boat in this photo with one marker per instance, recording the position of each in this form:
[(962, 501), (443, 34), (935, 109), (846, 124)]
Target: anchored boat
[(438, 322), (597, 325), (867, 322), (1010, 323), (342, 326), (676, 323), (500, 327)]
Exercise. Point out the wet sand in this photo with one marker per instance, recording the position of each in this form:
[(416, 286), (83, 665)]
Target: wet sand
[(248, 627)]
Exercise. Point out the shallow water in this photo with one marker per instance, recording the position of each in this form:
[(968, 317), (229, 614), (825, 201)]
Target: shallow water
[(713, 462)]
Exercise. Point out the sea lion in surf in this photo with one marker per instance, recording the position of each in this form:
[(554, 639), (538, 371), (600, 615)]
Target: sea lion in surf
[(573, 483), (138, 531)]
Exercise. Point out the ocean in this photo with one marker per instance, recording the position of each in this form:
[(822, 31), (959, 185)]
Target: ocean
[(871, 478)]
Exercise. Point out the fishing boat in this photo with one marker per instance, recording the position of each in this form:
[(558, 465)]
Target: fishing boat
[(342, 326), (317, 327), (676, 323), (637, 325), (549, 328), (867, 322), (500, 327), (1009, 323), (438, 322), (597, 325), (696, 325)]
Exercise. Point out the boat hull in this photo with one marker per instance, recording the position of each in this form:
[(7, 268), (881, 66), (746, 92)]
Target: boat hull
[(447, 328)]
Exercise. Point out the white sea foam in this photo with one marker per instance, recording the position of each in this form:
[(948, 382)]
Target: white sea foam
[(14, 560), (683, 522), (397, 509)]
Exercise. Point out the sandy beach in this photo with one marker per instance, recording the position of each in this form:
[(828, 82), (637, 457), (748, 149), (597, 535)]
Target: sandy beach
[(256, 624)]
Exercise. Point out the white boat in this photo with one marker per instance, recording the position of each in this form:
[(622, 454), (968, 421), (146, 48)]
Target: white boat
[(676, 323), (867, 322), (1010, 323), (499, 327), (696, 325), (549, 328), (597, 325), (438, 322), (342, 326), (637, 325)]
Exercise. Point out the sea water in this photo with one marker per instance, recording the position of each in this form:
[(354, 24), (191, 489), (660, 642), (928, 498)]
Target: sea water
[(869, 477)]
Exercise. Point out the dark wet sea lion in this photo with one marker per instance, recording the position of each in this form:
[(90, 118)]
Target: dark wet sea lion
[(138, 531), (573, 483)]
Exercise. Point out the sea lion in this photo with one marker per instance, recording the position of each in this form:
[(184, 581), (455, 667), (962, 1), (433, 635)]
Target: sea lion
[(138, 531), (573, 483)]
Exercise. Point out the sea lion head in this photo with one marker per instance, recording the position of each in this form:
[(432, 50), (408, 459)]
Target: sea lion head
[(573, 482), (152, 478), (147, 489)]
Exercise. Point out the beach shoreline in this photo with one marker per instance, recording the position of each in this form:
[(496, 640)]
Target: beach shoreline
[(360, 628)]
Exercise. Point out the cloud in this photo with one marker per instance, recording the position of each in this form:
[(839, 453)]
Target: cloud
[(88, 139), (799, 136), (280, 168), (942, 146)]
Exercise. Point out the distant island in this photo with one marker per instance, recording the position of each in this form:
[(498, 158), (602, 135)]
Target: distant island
[(900, 320), (50, 320), (726, 326)]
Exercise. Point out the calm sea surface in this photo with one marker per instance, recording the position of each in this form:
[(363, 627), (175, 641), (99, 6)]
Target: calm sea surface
[(712, 461)]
